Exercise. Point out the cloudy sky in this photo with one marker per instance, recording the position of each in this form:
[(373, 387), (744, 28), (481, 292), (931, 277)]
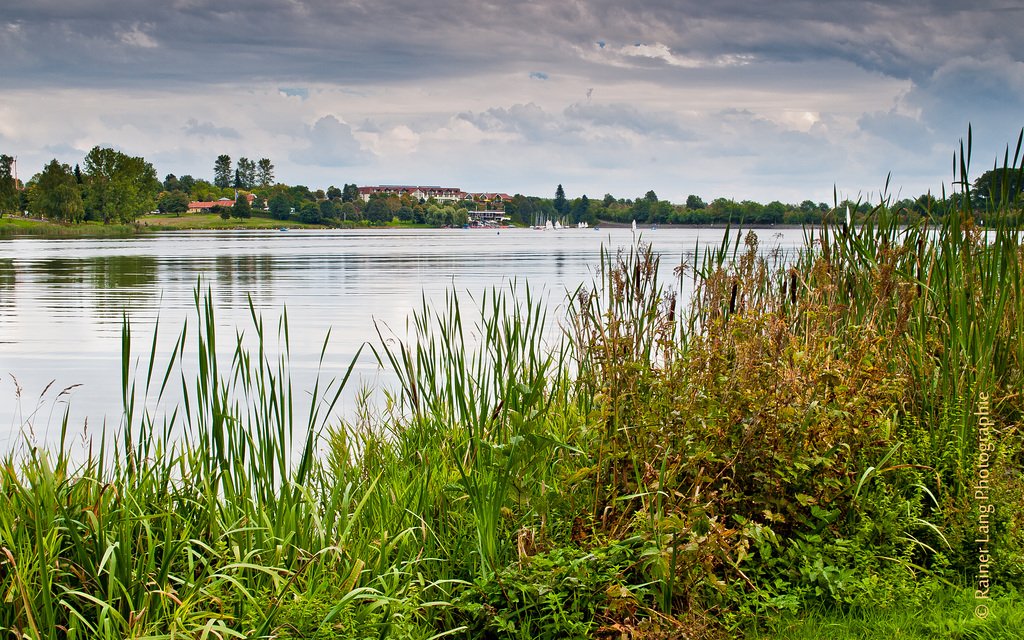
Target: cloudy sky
[(719, 98)]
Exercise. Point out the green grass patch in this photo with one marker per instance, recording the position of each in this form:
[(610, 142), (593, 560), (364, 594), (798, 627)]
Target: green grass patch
[(948, 614)]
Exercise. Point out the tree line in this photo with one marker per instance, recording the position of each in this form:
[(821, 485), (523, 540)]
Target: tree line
[(649, 209), (109, 186), (113, 187)]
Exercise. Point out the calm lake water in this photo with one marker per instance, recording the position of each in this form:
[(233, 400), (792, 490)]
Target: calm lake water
[(63, 301)]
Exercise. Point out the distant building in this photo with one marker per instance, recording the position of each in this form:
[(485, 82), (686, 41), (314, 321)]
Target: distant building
[(492, 216), (207, 207), (440, 194), (493, 199)]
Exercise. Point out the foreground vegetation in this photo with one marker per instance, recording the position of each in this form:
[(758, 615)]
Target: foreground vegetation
[(796, 452)]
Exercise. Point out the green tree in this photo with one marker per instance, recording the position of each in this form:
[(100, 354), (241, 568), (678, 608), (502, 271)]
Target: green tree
[(175, 202), (433, 215), (694, 202), (989, 187), (280, 206), (222, 171), (171, 183), (329, 210), (377, 211), (581, 209), (561, 204), (333, 192), (25, 196), (56, 194), (641, 210), (300, 193), (349, 213), (9, 200), (242, 208), (310, 214), (350, 193), (246, 174), (773, 212), (203, 191), (526, 211), (187, 183), (265, 173), (118, 187)]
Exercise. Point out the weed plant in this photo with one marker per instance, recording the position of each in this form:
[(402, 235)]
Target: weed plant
[(794, 453)]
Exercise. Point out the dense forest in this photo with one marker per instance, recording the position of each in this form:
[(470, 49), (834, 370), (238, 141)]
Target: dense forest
[(112, 187)]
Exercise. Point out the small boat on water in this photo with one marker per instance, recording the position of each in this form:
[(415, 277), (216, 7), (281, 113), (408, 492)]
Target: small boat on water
[(548, 226)]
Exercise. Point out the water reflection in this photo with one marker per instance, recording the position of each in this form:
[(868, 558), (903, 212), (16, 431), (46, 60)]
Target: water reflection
[(62, 301), (7, 274), (121, 272), (8, 278), (58, 272)]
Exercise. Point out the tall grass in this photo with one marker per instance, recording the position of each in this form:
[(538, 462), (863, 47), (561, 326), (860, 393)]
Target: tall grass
[(161, 535)]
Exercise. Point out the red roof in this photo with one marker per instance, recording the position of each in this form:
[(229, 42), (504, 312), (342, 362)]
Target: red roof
[(223, 202)]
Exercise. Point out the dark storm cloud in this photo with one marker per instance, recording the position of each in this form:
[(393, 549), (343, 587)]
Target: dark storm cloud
[(120, 42), (899, 129), (527, 122), (629, 117), (813, 85), (965, 88)]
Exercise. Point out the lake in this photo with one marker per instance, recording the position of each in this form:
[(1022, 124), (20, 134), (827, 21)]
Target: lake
[(63, 301)]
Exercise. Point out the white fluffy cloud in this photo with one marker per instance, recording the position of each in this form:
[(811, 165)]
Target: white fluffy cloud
[(331, 144)]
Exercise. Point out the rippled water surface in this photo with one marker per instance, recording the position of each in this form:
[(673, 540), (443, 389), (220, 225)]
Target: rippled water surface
[(63, 301)]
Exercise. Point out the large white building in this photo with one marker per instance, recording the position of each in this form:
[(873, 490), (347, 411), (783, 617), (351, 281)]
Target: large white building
[(440, 194)]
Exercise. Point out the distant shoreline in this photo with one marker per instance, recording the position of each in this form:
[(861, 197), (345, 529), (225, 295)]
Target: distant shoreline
[(19, 225)]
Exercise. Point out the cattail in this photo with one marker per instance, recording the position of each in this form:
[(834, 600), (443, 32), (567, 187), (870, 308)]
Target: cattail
[(732, 300), (792, 287), (920, 247)]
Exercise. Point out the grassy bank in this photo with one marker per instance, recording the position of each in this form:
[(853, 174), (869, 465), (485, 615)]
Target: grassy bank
[(35, 227), (166, 222), (155, 222), (796, 452)]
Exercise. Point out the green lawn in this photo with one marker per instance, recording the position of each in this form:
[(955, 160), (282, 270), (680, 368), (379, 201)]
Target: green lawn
[(948, 614)]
